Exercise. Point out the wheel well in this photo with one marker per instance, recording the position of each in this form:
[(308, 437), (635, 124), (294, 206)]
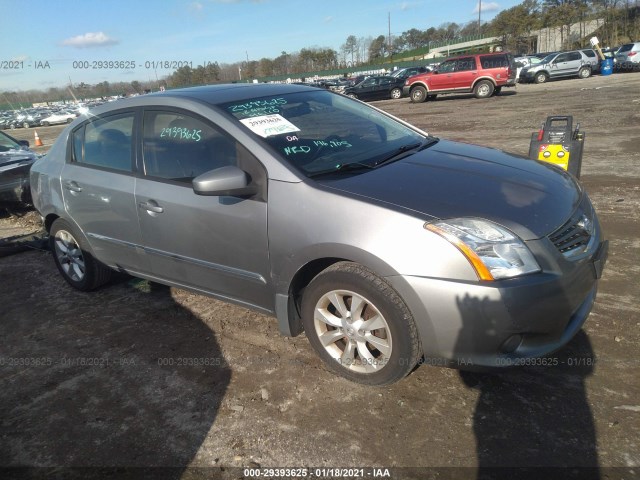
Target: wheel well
[(489, 79), (48, 221), (418, 84), (300, 280)]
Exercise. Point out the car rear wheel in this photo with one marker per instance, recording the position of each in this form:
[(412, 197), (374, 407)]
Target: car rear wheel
[(541, 77), (497, 90), (69, 120), (352, 95), (74, 260), (45, 124), (483, 89), (396, 93), (359, 325), (418, 94), (26, 125), (584, 72)]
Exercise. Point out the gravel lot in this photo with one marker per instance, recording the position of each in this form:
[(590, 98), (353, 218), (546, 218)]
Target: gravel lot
[(137, 374)]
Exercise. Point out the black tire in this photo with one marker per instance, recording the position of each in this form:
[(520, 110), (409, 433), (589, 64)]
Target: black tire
[(352, 95), (74, 259), (396, 93), (584, 72), (45, 124), (497, 90), (483, 89), (418, 94), (541, 77), (69, 120), (390, 343), (26, 125), (432, 96)]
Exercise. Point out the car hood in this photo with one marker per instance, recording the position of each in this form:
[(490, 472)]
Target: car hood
[(451, 179), (11, 157)]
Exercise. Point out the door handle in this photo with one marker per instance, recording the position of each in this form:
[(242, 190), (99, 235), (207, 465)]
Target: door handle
[(151, 206), (72, 186)]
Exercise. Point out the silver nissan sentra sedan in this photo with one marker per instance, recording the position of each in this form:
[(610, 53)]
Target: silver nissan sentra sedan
[(385, 245)]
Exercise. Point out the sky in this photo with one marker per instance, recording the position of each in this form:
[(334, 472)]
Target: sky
[(51, 43)]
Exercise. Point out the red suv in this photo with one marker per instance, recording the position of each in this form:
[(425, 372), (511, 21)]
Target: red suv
[(483, 74)]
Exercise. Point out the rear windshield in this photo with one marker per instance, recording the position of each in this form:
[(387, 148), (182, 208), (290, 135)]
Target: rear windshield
[(316, 131), (626, 48)]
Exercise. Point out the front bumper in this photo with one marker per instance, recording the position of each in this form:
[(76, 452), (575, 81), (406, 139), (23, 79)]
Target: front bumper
[(496, 324)]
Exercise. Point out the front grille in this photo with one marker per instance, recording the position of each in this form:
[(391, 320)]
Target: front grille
[(573, 237)]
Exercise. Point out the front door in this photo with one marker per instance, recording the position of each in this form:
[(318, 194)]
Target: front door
[(215, 244)]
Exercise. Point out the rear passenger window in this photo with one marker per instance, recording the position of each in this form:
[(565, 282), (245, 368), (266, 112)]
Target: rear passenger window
[(180, 147), (494, 61), (105, 142), (465, 64), (574, 56)]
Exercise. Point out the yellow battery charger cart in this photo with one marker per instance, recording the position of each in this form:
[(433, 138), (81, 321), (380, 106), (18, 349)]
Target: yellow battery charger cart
[(559, 144)]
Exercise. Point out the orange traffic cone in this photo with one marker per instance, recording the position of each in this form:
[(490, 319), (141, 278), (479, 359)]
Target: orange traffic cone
[(38, 141)]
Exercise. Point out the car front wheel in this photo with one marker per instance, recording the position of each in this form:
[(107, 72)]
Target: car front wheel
[(352, 95), (396, 93), (74, 260), (541, 77), (359, 325), (418, 94)]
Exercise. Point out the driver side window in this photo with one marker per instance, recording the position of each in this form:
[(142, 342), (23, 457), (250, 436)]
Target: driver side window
[(180, 147)]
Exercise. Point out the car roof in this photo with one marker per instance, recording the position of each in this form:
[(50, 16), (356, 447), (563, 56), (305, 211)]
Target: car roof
[(232, 92)]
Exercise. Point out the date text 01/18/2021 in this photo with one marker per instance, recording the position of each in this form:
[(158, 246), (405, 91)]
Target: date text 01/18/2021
[(321, 472)]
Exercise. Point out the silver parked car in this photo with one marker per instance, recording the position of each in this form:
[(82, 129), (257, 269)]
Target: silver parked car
[(383, 243), (628, 56), (580, 63)]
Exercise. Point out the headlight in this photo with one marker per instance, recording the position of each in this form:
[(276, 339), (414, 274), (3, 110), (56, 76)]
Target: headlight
[(493, 251)]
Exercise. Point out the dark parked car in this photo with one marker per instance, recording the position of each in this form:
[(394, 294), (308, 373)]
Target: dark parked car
[(382, 243), (407, 72), (26, 119), (376, 88), (15, 162)]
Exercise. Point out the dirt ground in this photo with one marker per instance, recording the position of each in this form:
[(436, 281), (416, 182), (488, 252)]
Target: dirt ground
[(138, 375)]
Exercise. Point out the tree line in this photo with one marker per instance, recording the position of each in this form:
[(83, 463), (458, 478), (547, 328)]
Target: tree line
[(515, 26)]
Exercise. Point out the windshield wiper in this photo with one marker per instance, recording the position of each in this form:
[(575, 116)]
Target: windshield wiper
[(397, 154), (346, 167)]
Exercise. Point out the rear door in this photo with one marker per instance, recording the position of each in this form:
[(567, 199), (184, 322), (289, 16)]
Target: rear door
[(216, 244), (98, 184), (465, 73)]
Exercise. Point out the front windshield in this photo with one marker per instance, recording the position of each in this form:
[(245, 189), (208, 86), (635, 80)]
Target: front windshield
[(319, 131), (548, 58)]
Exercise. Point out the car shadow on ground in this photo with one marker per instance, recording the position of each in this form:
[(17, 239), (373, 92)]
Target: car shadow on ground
[(533, 421), (121, 377)]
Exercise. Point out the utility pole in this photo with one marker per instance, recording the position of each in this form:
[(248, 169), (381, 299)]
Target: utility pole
[(479, 10), (389, 23)]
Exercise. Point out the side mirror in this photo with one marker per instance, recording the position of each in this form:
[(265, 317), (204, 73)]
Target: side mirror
[(224, 181), (24, 143)]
